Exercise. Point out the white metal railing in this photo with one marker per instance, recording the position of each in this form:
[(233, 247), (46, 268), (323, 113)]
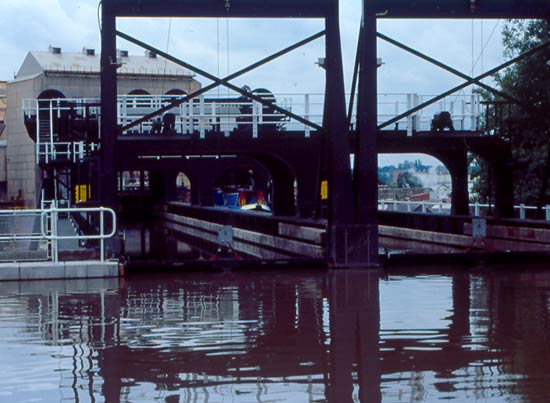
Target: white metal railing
[(32, 234), (465, 111), (59, 150), (20, 238), (476, 209), (206, 113), (48, 228)]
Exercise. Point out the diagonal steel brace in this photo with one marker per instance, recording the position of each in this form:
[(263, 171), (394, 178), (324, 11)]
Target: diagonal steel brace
[(470, 81), (225, 81), (449, 68)]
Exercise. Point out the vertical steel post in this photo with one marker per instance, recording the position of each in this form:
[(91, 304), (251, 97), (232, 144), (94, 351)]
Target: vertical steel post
[(366, 158), (339, 173), (109, 128), (340, 187), (306, 115), (55, 239), (102, 233)]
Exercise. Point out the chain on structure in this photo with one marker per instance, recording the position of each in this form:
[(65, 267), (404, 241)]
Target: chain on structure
[(227, 5)]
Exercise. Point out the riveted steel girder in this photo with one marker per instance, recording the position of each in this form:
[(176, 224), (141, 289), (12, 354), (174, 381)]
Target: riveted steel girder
[(460, 8), (221, 8)]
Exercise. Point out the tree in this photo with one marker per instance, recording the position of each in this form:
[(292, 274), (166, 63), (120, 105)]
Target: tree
[(407, 180), (529, 132)]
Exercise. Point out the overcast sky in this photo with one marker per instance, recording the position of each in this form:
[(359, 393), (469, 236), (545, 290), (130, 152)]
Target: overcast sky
[(72, 24)]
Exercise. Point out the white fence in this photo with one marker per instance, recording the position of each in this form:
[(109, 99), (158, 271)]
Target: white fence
[(225, 114), (35, 234), (522, 211)]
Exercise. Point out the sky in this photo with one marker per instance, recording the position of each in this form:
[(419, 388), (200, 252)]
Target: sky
[(221, 46)]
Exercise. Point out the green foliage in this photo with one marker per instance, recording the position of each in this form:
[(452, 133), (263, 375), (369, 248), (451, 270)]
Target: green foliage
[(527, 124), (384, 178), (407, 180)]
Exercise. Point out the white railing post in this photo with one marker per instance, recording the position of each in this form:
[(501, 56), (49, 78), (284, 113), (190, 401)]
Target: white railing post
[(463, 115), (306, 116), (473, 112), (184, 118), (51, 122), (55, 250), (416, 115), (423, 207), (476, 209), (408, 206), (547, 208), (395, 205), (409, 118), (522, 211), (214, 119), (191, 116), (38, 123), (101, 233), (255, 116), (201, 119), (123, 109)]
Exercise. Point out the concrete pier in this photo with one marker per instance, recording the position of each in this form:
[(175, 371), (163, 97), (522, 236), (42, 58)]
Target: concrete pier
[(61, 270)]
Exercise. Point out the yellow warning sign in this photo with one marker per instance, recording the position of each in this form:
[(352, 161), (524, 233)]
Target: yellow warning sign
[(324, 190), (81, 193)]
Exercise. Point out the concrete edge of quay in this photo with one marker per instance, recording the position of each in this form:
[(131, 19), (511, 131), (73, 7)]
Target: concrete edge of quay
[(23, 271)]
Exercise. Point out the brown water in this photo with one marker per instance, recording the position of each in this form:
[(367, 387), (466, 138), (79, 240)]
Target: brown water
[(279, 336)]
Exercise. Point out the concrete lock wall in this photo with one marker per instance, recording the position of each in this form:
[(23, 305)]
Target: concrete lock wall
[(22, 171)]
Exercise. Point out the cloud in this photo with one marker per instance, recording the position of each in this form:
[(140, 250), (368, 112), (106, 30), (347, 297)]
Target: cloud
[(30, 25)]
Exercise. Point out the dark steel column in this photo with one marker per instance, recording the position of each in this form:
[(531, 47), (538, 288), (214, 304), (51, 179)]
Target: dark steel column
[(366, 158), (457, 164), (339, 174), (504, 185), (340, 189), (107, 170)]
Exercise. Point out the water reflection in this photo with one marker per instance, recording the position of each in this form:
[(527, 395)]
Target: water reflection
[(348, 336)]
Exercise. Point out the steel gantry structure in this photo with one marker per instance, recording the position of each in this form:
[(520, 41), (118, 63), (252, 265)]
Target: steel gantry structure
[(352, 209)]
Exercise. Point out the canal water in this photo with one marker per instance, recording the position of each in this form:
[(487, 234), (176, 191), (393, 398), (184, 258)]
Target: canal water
[(402, 335)]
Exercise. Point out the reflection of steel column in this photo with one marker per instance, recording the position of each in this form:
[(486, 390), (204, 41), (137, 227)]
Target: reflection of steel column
[(460, 320), (354, 335)]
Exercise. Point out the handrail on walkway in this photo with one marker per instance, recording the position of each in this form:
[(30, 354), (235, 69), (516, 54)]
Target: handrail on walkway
[(21, 228), (55, 238), (476, 209)]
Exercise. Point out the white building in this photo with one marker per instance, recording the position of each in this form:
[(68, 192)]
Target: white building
[(55, 74)]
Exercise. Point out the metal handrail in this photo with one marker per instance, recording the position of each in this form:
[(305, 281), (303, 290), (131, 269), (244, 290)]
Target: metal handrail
[(477, 207), (197, 114), (53, 213)]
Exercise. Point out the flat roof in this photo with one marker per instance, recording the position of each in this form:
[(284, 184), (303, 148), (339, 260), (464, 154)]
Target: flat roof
[(132, 64)]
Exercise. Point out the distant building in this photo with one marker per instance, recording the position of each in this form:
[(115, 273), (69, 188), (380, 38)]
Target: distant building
[(3, 142), (55, 74), (3, 101), (439, 180)]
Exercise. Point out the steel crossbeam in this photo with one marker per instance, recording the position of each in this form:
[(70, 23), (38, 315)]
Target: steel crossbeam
[(460, 8), (221, 8)]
